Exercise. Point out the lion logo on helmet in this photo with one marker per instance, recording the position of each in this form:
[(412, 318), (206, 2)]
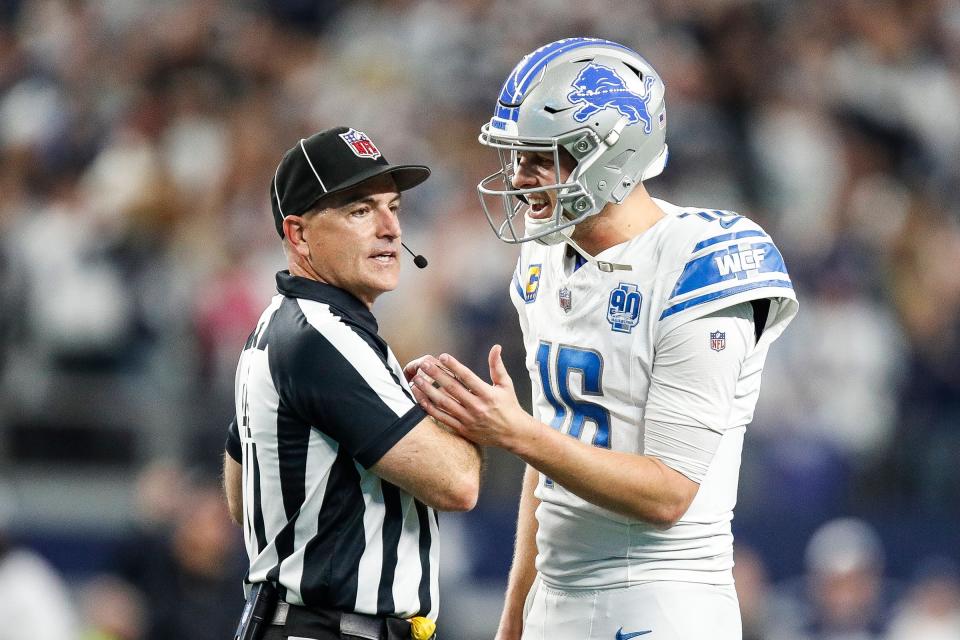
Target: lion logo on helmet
[(598, 87)]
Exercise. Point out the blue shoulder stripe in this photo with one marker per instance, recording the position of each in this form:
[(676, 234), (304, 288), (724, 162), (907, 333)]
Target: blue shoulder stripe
[(517, 286), (732, 263), (516, 280), (728, 236), (723, 293)]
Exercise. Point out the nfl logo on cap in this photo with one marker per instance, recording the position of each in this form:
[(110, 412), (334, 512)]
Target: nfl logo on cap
[(718, 340), (361, 145)]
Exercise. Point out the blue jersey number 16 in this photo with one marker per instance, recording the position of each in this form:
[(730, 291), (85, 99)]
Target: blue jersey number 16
[(590, 365)]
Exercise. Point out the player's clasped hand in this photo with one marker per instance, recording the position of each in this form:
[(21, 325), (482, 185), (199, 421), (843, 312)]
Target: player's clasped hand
[(414, 366), (487, 414)]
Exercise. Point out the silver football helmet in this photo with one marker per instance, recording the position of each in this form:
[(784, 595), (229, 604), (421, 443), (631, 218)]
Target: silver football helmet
[(597, 99)]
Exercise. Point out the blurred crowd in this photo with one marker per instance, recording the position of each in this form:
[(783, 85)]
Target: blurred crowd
[(174, 573), (137, 141)]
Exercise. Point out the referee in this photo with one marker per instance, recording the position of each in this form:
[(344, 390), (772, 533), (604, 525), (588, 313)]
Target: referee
[(332, 468)]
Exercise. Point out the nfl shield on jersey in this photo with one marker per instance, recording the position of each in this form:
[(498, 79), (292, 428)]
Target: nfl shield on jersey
[(718, 340), (589, 358), (566, 301)]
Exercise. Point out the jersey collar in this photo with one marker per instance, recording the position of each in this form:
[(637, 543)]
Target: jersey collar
[(352, 308)]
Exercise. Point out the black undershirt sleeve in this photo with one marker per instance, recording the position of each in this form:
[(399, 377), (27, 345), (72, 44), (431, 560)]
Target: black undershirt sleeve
[(233, 447)]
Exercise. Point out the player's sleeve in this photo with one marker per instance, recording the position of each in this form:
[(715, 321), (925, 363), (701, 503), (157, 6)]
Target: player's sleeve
[(516, 289), (518, 295), (341, 384), (720, 268), (693, 388), (233, 447)]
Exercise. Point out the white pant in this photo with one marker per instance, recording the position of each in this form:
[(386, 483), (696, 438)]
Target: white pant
[(648, 611)]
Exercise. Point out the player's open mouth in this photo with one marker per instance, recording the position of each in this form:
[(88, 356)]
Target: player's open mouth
[(539, 207)]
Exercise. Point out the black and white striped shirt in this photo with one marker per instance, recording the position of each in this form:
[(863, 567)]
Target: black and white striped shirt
[(320, 398)]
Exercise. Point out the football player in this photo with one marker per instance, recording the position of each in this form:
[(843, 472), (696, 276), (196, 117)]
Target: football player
[(646, 327)]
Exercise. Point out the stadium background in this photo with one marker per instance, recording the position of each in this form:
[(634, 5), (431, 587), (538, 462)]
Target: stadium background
[(137, 140)]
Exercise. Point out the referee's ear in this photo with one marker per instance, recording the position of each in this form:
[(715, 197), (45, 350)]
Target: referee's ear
[(294, 236)]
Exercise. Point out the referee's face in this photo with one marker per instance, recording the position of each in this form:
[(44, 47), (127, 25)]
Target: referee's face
[(354, 240)]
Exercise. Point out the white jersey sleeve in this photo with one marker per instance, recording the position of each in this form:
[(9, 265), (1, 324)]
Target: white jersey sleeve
[(519, 292), (694, 376), (692, 388)]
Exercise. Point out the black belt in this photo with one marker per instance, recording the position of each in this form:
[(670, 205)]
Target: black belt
[(355, 625)]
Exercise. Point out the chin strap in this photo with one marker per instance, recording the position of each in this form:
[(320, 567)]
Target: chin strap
[(606, 267), (563, 235)]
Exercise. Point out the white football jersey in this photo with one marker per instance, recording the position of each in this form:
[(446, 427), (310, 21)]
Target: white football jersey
[(591, 337)]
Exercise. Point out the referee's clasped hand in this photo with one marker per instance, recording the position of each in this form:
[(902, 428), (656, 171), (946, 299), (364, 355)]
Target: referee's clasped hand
[(487, 414)]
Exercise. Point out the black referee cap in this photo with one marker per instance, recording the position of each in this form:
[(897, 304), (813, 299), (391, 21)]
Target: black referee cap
[(329, 162)]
